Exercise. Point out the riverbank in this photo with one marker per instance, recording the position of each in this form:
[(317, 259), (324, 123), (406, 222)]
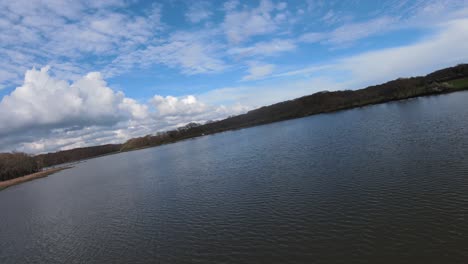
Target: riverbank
[(444, 81), (30, 177)]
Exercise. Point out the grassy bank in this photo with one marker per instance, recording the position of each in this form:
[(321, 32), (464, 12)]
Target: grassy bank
[(459, 83)]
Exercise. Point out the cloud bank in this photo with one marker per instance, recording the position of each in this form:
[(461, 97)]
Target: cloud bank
[(46, 113)]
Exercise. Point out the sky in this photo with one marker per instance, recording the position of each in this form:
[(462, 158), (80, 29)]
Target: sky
[(84, 72)]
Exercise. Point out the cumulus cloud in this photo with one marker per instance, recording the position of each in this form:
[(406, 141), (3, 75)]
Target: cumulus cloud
[(43, 101), (170, 105), (49, 114), (181, 110), (67, 107), (136, 110)]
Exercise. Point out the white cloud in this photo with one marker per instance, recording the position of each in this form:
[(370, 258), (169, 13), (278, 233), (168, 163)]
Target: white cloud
[(281, 5), (43, 101), (350, 33), (76, 37), (312, 37), (185, 109), (444, 49), (241, 25), (137, 111), (48, 114), (230, 5), (269, 92), (331, 17), (108, 33), (391, 17), (273, 47), (198, 11), (171, 105), (63, 33), (258, 71), (428, 13), (192, 52), (81, 36), (305, 71)]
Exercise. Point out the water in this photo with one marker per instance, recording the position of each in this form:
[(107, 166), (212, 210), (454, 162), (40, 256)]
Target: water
[(380, 184)]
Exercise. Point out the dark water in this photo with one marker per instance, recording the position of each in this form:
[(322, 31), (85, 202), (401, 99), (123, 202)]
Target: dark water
[(380, 184)]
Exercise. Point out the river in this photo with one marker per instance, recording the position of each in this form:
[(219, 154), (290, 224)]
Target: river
[(380, 184)]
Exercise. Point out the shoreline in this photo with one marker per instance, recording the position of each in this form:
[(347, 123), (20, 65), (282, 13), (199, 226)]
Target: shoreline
[(45, 173), (465, 89), (30, 177), (444, 81)]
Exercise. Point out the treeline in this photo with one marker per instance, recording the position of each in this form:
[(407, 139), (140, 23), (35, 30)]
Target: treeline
[(435, 83), (188, 131), (72, 155), (13, 165), (442, 81), (17, 164)]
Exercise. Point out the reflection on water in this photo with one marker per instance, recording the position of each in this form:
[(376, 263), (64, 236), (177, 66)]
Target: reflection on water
[(380, 184)]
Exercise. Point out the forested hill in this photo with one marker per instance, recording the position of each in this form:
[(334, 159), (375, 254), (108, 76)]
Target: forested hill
[(442, 81)]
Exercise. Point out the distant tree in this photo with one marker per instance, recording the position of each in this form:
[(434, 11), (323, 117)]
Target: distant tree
[(17, 164)]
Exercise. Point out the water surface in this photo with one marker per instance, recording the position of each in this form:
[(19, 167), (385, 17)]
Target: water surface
[(380, 184)]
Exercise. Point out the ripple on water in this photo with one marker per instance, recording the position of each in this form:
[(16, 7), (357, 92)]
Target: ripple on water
[(381, 184)]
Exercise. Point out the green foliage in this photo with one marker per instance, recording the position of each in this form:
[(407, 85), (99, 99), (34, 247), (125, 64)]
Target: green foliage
[(459, 83)]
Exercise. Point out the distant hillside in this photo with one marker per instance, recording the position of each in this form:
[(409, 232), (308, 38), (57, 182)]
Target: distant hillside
[(442, 81)]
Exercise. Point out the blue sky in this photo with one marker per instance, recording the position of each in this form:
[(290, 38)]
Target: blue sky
[(78, 73)]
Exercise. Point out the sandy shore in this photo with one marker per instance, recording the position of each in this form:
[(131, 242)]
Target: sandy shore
[(41, 174)]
